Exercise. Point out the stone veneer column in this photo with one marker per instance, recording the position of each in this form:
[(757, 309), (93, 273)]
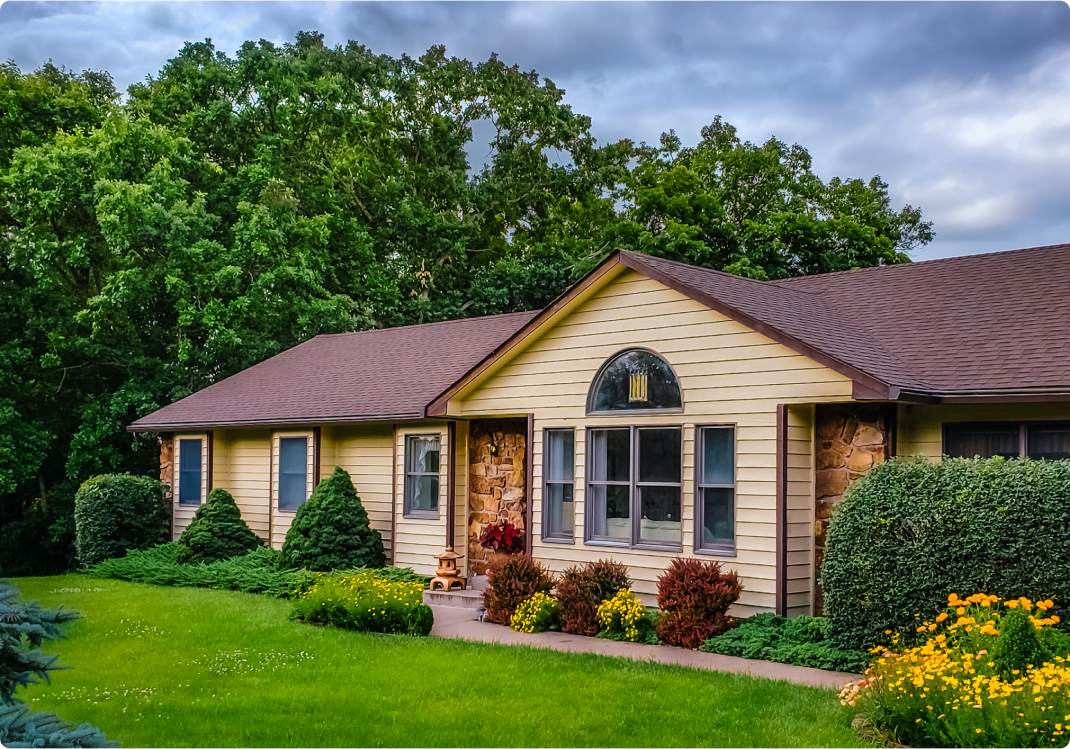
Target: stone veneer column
[(167, 459), (851, 439), (496, 481)]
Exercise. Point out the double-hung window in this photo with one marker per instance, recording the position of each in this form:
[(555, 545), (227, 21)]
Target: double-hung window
[(190, 471), (715, 489), (293, 473), (634, 486), (1040, 441), (421, 476), (559, 447)]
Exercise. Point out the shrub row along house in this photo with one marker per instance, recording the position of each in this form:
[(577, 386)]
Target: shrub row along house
[(655, 410)]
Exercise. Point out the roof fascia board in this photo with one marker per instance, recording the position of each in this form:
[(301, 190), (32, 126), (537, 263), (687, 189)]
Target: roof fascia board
[(875, 389), (579, 293), (280, 423)]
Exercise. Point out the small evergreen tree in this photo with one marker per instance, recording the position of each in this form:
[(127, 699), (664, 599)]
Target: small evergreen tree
[(331, 530), (217, 531), (22, 625)]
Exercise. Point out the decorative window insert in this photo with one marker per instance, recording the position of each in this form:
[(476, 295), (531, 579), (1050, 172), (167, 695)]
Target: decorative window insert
[(635, 380), (715, 489), (634, 486), (422, 460), (293, 460), (190, 476), (1037, 440), (558, 489)]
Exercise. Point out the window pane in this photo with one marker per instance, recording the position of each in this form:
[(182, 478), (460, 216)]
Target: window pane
[(189, 472), (559, 509), (293, 476), (1049, 442), (718, 517), (636, 380), (611, 460), (424, 493), (423, 454), (718, 456), (560, 459), (659, 455), (984, 441), (660, 521), (610, 512)]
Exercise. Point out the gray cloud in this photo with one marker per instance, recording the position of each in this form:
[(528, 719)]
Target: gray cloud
[(963, 107)]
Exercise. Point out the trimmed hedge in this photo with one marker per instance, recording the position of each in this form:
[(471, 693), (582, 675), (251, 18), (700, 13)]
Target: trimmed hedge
[(911, 532), (217, 531), (114, 513), (331, 530)]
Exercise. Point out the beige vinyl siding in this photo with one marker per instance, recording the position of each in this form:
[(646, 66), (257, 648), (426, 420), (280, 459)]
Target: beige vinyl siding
[(282, 520), (183, 514), (364, 451), (242, 465), (460, 515), (800, 510), (921, 427), (729, 375), (419, 539)]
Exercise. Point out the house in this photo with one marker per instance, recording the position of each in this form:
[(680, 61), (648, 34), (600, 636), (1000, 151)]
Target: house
[(655, 410)]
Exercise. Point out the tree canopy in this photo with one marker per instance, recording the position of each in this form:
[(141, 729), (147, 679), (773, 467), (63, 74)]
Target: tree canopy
[(230, 207)]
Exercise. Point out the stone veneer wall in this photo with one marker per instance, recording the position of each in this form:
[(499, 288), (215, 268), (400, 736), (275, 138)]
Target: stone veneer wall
[(167, 459), (851, 439), (497, 479)]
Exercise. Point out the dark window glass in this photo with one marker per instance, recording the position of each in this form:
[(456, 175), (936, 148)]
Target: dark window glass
[(189, 472), (421, 475), (985, 441), (1049, 442), (659, 456), (293, 472), (559, 447), (610, 511), (715, 491), (635, 381), (611, 459)]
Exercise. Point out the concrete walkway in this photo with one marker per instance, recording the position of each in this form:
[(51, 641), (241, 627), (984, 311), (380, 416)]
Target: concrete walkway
[(463, 624)]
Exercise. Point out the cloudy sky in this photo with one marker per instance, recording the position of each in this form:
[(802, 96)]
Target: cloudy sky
[(963, 107)]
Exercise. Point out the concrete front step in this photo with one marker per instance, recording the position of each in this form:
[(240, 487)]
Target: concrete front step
[(458, 599)]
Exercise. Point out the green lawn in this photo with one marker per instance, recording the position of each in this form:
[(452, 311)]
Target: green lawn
[(156, 666)]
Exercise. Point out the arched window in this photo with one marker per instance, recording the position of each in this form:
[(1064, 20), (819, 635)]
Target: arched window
[(635, 380)]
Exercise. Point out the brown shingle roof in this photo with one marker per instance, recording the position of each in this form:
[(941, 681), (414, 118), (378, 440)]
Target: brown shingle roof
[(374, 375)]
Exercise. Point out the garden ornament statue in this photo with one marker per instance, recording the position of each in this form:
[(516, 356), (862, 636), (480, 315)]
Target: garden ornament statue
[(447, 575)]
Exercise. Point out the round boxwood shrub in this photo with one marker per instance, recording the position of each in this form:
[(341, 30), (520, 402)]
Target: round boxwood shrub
[(331, 530), (217, 531), (911, 532), (114, 513)]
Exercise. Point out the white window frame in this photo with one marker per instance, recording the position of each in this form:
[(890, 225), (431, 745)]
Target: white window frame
[(276, 443), (176, 474)]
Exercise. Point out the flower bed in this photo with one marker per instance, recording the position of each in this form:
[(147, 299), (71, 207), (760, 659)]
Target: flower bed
[(363, 601), (991, 673)]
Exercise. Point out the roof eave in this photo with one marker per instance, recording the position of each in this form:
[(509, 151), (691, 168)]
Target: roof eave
[(275, 422)]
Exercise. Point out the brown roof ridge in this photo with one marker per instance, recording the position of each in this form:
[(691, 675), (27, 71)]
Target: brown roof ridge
[(918, 263), (422, 324), (891, 370)]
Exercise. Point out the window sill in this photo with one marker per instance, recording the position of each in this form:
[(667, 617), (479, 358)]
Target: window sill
[(188, 504), (658, 547), (421, 516), (570, 541), (716, 552), (635, 547), (613, 544)]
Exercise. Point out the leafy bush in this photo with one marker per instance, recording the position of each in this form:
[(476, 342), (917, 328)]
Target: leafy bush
[(217, 531), (910, 532), (502, 536), (623, 617), (976, 681), (512, 580), (117, 512), (581, 589), (802, 641), (536, 614), (24, 628), (256, 572), (362, 600), (331, 530), (694, 596)]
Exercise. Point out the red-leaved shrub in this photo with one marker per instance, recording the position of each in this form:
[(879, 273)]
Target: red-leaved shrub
[(694, 597), (512, 580), (503, 536), (581, 589)]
